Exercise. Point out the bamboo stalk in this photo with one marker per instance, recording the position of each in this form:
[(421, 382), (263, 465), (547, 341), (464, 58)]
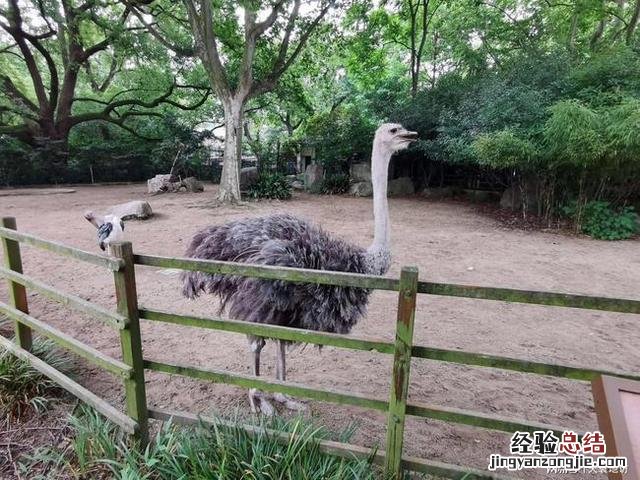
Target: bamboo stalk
[(17, 292), (106, 409), (85, 351), (401, 371), (111, 319), (94, 258), (130, 340)]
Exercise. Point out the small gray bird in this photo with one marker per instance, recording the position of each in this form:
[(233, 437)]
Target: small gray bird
[(110, 228)]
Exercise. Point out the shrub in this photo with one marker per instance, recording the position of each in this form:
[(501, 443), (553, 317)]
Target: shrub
[(270, 185), (224, 450), (600, 220), (21, 386), (333, 184)]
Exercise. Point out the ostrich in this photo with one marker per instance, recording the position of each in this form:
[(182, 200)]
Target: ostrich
[(286, 240), (110, 229)]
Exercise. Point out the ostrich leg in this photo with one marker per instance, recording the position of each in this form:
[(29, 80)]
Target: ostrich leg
[(257, 399), (281, 374)]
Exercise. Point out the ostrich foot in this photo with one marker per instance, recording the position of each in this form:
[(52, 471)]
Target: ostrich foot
[(259, 403), (290, 403)]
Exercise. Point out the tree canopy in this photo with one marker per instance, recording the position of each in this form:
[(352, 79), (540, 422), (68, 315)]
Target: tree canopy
[(506, 90)]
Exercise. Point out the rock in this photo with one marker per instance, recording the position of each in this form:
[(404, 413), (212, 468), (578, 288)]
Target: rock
[(159, 184), (437, 192), (361, 189), (138, 209), (297, 185), (248, 177), (400, 186), (360, 172), (192, 184), (313, 176)]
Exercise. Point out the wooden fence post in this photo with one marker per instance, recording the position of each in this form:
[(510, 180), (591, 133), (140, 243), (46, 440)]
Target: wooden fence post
[(130, 340), (17, 292), (401, 370)]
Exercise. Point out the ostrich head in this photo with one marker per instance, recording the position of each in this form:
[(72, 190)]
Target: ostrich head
[(389, 139), (110, 228)]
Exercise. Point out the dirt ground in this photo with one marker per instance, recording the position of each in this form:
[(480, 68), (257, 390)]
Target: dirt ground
[(449, 242)]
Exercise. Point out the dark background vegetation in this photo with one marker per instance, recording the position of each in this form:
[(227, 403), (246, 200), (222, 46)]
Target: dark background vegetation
[(540, 96)]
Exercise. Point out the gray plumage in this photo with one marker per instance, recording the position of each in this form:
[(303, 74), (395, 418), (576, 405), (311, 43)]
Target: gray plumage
[(282, 240)]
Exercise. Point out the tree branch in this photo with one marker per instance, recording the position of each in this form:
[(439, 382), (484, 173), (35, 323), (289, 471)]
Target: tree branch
[(282, 63)]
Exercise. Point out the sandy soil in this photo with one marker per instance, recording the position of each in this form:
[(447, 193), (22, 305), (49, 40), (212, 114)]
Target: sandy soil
[(442, 239)]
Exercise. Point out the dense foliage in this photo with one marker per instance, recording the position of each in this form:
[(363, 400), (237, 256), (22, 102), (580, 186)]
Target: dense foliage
[(540, 96)]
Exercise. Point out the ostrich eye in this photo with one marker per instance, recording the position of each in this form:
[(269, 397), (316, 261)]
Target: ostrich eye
[(393, 130)]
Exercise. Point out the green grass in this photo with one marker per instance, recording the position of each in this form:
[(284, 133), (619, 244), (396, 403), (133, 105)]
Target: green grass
[(97, 450), (21, 387)]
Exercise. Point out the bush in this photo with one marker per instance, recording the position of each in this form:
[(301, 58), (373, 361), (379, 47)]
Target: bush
[(600, 220), (333, 184), (270, 185), (224, 450), (22, 387)]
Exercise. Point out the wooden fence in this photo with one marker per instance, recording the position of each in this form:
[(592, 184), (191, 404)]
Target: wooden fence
[(126, 319)]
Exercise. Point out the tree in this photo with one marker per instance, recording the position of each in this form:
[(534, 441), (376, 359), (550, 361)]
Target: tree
[(242, 60), (53, 44)]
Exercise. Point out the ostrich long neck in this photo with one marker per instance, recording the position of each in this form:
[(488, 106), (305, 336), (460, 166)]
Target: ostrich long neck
[(379, 251)]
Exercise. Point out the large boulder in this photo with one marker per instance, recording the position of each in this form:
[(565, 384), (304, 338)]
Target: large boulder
[(248, 177), (360, 172), (160, 183), (400, 186), (137, 209), (192, 184), (361, 189), (313, 176)]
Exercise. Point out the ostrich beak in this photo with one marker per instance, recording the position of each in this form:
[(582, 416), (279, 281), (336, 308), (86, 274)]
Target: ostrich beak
[(409, 136)]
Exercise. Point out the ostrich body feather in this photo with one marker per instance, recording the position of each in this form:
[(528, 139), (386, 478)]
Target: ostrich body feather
[(282, 240)]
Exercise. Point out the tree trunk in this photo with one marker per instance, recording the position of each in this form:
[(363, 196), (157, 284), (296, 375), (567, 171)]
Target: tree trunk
[(230, 178), (633, 23)]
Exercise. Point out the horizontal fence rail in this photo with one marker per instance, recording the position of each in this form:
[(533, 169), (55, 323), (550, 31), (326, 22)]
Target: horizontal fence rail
[(85, 351), (100, 260), (111, 319), (124, 421), (382, 346), (382, 283), (454, 415), (339, 449), (515, 364), (531, 296), (300, 275)]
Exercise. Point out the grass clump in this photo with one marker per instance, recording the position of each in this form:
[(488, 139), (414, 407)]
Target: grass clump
[(270, 185), (22, 388), (225, 450)]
